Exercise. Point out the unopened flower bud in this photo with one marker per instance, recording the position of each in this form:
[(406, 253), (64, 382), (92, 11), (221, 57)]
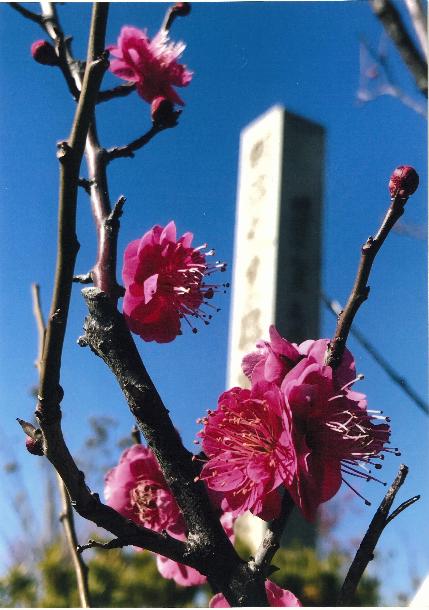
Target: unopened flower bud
[(163, 113), (34, 445), (182, 9), (44, 53), (403, 182)]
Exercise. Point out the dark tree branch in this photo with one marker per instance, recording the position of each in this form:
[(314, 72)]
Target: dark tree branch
[(392, 22), (360, 290), (119, 91), (129, 149), (365, 552), (26, 13), (271, 542), (108, 336)]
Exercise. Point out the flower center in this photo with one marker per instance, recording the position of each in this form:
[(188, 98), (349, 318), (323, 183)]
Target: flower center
[(143, 500)]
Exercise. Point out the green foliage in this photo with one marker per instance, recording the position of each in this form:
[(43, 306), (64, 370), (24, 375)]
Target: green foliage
[(117, 579), (316, 581)]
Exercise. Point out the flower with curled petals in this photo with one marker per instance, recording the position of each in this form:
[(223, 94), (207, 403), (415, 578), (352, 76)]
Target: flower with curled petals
[(150, 64), (249, 447), (276, 596), (273, 359), (333, 434), (164, 281)]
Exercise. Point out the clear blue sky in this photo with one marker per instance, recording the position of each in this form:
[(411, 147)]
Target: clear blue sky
[(246, 57)]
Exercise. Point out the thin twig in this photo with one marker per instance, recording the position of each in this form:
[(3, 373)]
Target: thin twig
[(80, 567), (70, 155), (401, 508), (392, 22), (419, 21), (119, 91), (85, 184), (67, 519), (136, 436), (336, 309), (271, 542), (128, 150), (365, 552), (360, 290), (26, 13), (116, 543), (83, 278), (40, 323)]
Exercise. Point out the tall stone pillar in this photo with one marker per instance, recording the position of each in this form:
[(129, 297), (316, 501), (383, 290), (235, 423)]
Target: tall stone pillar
[(278, 238)]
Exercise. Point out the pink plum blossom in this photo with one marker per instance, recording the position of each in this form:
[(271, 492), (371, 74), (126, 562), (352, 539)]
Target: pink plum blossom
[(275, 358), (164, 283), (136, 488), (248, 444), (150, 64), (333, 434), (276, 596)]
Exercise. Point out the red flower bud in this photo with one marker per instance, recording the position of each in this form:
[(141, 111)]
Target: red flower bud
[(34, 446), (163, 113), (44, 53), (182, 9), (403, 182)]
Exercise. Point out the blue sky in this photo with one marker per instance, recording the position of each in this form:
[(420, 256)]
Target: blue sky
[(246, 57)]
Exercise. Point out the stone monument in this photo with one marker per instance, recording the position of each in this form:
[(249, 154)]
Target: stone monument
[(278, 237)]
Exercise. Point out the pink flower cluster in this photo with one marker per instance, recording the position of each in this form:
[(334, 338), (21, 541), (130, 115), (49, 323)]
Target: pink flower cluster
[(300, 427), (150, 64), (136, 488), (164, 283)]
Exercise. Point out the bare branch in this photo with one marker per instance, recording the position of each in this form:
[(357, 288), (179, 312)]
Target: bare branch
[(360, 290), (40, 323), (108, 336), (116, 543), (365, 552), (70, 155), (419, 20), (271, 542), (85, 184), (84, 278), (26, 13), (401, 508), (129, 149), (119, 91), (136, 436), (80, 567), (336, 309), (392, 22)]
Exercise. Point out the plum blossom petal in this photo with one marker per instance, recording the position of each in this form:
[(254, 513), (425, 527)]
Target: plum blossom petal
[(277, 598), (136, 488), (333, 434), (165, 283), (150, 64), (248, 444)]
